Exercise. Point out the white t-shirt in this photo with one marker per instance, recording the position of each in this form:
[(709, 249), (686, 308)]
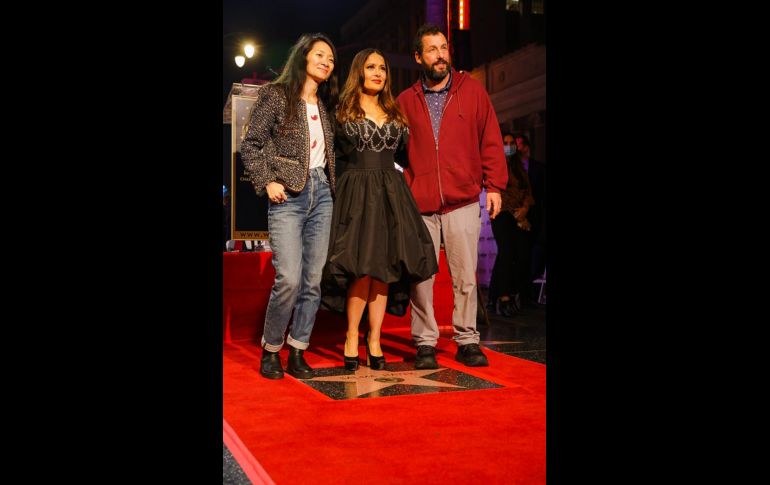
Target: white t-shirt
[(317, 141)]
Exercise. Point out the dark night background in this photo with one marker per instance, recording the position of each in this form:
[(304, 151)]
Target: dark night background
[(275, 26)]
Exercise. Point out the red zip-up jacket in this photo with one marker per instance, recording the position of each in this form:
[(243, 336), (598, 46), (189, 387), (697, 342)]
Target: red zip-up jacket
[(469, 154)]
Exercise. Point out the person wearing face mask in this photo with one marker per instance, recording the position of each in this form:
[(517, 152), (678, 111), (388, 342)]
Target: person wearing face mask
[(379, 244), (455, 149), (510, 274), (288, 154), (509, 147)]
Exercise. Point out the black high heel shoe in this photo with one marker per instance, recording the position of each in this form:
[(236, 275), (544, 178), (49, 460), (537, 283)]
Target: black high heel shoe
[(351, 363), (374, 362)]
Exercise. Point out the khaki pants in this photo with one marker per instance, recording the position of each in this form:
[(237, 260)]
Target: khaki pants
[(461, 229)]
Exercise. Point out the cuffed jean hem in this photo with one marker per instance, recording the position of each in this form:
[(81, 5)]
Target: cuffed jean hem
[(271, 347), (297, 344)]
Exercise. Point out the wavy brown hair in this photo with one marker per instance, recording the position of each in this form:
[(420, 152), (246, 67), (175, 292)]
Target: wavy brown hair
[(349, 107)]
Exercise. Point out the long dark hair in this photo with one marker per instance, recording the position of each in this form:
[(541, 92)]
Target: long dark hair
[(350, 105), (294, 74)]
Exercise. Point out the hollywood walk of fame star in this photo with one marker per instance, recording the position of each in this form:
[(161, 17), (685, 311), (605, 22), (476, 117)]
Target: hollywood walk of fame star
[(367, 380)]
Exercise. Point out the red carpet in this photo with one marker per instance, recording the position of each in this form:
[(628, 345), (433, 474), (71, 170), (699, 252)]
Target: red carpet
[(289, 433), (302, 436)]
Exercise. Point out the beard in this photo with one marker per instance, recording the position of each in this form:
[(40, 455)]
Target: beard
[(431, 73)]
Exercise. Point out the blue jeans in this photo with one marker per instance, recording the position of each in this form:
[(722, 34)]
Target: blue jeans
[(299, 237)]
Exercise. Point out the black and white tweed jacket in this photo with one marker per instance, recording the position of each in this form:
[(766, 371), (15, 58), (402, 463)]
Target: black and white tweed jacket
[(274, 151)]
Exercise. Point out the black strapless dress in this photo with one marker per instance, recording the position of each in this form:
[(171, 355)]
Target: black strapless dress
[(376, 228)]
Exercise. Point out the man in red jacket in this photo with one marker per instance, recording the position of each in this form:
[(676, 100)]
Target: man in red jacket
[(455, 148)]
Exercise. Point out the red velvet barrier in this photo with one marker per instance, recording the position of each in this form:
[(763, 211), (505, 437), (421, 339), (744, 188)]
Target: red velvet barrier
[(248, 278)]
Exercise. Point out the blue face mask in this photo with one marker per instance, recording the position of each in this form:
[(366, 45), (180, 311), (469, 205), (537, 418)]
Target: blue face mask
[(508, 149)]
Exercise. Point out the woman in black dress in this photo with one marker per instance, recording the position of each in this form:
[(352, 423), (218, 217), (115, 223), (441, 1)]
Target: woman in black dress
[(379, 244)]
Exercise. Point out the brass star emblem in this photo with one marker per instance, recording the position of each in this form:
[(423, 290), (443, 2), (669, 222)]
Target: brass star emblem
[(367, 380)]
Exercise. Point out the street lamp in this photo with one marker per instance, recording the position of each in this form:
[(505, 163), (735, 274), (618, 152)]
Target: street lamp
[(248, 48)]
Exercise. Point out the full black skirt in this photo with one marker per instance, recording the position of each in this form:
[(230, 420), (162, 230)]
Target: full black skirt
[(376, 230)]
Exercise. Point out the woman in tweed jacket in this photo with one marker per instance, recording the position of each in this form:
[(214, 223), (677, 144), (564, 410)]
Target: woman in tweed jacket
[(288, 152)]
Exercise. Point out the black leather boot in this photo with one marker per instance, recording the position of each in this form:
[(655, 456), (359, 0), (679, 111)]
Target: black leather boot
[(270, 366), (297, 366)]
